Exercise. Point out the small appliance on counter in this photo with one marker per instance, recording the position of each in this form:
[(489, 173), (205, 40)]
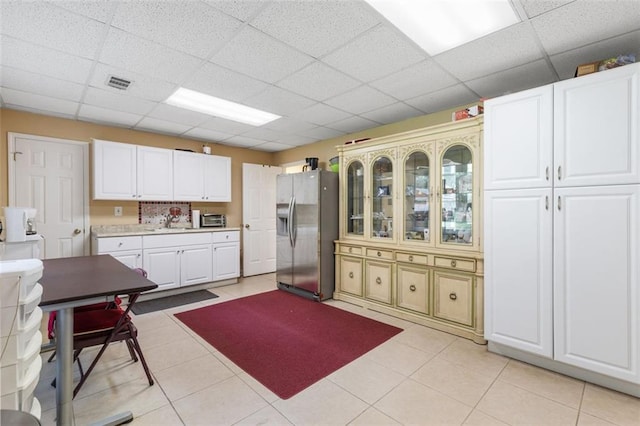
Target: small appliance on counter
[(19, 222), (213, 220)]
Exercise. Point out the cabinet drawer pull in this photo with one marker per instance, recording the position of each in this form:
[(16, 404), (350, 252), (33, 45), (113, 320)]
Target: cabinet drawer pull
[(453, 263), (350, 274), (559, 203), (350, 249), (559, 172), (547, 173), (453, 296), (120, 244), (410, 258), (412, 287), (378, 280), (379, 254)]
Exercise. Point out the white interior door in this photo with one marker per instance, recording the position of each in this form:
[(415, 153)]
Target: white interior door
[(51, 175), (259, 218)]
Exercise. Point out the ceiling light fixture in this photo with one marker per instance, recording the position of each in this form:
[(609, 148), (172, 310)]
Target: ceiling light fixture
[(200, 102), (441, 25)]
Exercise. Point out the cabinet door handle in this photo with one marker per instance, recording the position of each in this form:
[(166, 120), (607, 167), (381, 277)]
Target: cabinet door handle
[(453, 296), (410, 258), (134, 195), (546, 172), (559, 203), (412, 287), (559, 172), (350, 249), (120, 244), (546, 202), (350, 274), (453, 263), (379, 254), (378, 280)]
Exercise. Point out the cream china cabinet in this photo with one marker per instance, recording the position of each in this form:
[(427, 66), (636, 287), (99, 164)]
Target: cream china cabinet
[(410, 243)]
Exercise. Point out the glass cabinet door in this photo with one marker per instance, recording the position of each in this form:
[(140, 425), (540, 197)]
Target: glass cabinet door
[(382, 198), (416, 197), (355, 198), (457, 190)]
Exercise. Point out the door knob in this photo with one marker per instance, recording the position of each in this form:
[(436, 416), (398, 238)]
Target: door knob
[(77, 231), (247, 226)]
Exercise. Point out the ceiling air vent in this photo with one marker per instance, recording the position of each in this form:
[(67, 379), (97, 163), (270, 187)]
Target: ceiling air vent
[(118, 83)]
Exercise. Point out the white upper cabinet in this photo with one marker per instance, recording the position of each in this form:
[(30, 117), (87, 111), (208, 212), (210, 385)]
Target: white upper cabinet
[(130, 172), (596, 137), (520, 130), (199, 177)]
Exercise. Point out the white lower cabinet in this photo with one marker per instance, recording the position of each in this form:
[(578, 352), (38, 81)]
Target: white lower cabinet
[(127, 250), (226, 255)]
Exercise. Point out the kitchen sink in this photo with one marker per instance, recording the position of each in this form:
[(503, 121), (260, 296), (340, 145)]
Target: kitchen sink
[(162, 230)]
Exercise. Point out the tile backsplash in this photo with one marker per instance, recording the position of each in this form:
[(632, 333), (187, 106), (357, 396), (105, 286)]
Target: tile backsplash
[(156, 212)]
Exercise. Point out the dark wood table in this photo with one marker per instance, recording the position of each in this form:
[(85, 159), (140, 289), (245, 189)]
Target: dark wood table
[(76, 281)]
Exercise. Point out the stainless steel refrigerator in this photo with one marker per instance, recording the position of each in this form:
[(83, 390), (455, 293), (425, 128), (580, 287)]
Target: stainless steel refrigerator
[(307, 226)]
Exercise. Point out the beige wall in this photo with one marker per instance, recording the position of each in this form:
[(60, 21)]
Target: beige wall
[(101, 212)]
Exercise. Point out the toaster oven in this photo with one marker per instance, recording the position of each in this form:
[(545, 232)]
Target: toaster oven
[(213, 220)]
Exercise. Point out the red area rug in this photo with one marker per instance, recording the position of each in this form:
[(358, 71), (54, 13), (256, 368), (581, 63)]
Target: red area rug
[(284, 341)]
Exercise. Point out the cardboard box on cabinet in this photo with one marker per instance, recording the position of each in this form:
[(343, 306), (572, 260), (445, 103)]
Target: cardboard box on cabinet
[(472, 111)]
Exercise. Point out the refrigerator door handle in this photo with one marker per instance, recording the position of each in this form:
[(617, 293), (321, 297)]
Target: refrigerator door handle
[(294, 225), (289, 221)]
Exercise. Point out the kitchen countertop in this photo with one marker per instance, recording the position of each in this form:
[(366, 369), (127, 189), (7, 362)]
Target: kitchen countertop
[(98, 231)]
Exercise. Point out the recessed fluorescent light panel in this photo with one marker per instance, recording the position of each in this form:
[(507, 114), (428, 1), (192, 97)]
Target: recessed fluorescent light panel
[(440, 25), (196, 101)]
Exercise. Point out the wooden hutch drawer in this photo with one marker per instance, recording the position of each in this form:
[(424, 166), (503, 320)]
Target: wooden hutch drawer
[(378, 281), (455, 263), (351, 275), (380, 254), (351, 250), (413, 288), (418, 259), (453, 297)]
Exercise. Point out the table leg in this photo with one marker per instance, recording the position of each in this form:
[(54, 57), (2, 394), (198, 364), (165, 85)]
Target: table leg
[(64, 367)]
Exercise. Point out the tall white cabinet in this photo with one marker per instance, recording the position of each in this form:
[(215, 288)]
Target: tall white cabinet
[(562, 199)]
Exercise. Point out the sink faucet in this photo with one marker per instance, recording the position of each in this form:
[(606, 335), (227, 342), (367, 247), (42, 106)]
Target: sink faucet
[(170, 219)]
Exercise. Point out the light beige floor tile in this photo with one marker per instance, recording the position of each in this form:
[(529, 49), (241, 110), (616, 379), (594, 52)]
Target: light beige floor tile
[(543, 382), (399, 357), (456, 381), (610, 405), (425, 339), (167, 333), (191, 376), (585, 419), (165, 416), (415, 404), (110, 373), (258, 387), (476, 357), (135, 396), (323, 402), (356, 378), (230, 364), (150, 321), (267, 416), (175, 353), (48, 417), (478, 418), (517, 406), (224, 403), (373, 417)]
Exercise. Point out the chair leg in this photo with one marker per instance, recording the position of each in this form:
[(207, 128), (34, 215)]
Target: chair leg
[(53, 355), (132, 352), (142, 360), (84, 376)]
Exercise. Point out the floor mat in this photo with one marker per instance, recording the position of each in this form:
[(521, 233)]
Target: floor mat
[(172, 301)]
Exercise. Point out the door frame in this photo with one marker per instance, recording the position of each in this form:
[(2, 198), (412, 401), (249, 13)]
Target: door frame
[(11, 148)]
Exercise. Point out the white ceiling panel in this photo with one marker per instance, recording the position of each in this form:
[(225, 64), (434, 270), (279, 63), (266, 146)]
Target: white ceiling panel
[(171, 24), (260, 56), (329, 67), (54, 26), (315, 27), (375, 54)]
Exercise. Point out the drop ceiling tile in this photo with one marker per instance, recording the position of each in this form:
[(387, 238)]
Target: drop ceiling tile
[(107, 116), (318, 81), (321, 133), (240, 9), (57, 28), (591, 21), (287, 124), (117, 101), (226, 126), (133, 53), (25, 81), (361, 99), (142, 86), (278, 101), (243, 141), (206, 134), (186, 28), (223, 83), (39, 102), (264, 134), (260, 56), (375, 54), (443, 99), (537, 7), (271, 147), (566, 63), (315, 27), (178, 115), (524, 77), (353, 124), (320, 114), (296, 140), (98, 10), (38, 111), (513, 46), (421, 78), (392, 113), (40, 60), (161, 126)]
